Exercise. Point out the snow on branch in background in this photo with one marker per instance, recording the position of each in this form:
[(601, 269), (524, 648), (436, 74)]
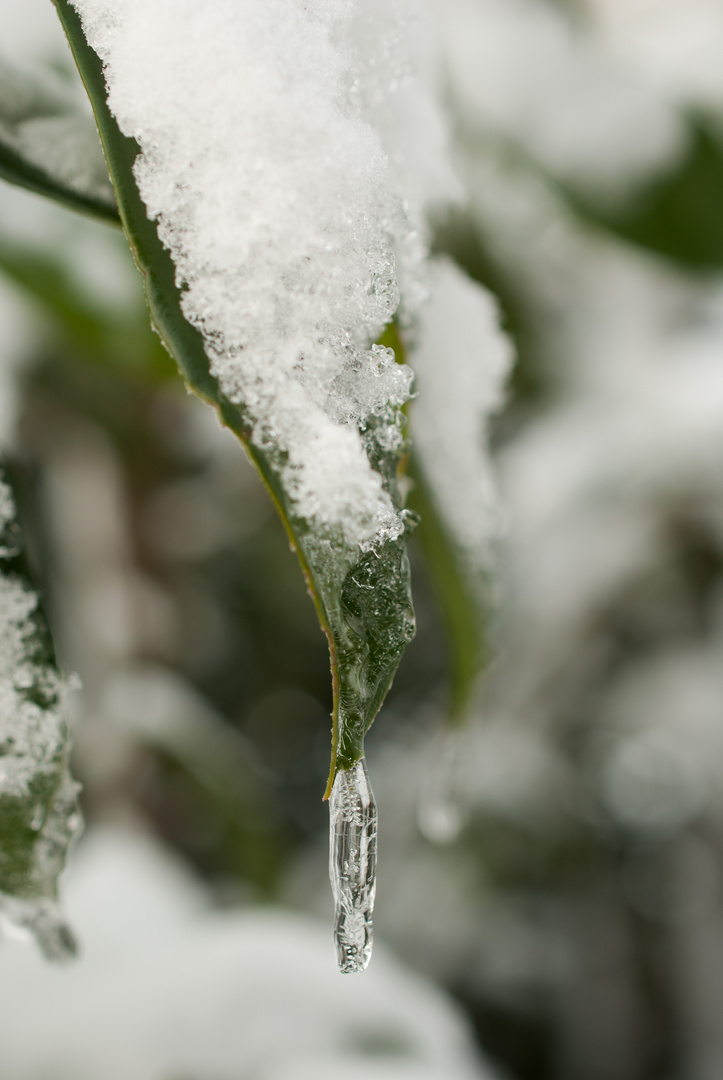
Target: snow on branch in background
[(462, 359)]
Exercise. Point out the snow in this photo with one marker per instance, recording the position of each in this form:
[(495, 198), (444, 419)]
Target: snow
[(265, 168), (167, 986), (38, 812), (461, 359), (524, 74)]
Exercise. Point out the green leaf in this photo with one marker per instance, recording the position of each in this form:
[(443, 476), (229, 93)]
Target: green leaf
[(49, 145), (39, 816), (363, 600)]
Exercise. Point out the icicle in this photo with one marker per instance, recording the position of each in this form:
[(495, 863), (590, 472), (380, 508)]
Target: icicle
[(441, 810), (353, 865)]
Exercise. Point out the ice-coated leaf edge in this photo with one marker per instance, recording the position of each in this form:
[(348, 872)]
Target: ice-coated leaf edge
[(362, 599)]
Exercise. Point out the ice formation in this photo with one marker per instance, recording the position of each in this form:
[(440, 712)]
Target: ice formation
[(461, 360), (262, 127), (353, 865), (38, 811)]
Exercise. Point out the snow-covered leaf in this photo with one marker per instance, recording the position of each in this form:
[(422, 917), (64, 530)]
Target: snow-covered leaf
[(269, 271), (39, 816)]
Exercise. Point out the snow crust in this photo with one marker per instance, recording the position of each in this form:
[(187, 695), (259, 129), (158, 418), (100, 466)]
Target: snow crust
[(262, 126)]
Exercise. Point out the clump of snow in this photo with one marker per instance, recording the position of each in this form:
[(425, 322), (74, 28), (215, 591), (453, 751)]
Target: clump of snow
[(461, 359), (28, 738), (262, 126)]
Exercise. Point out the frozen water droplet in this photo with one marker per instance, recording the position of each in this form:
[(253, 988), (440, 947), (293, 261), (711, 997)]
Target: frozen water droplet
[(441, 810), (353, 865)]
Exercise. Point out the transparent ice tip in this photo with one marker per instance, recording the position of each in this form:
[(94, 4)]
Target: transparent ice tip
[(353, 865), (442, 811)]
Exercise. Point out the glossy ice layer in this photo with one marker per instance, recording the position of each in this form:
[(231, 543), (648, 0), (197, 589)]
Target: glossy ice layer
[(353, 865)]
